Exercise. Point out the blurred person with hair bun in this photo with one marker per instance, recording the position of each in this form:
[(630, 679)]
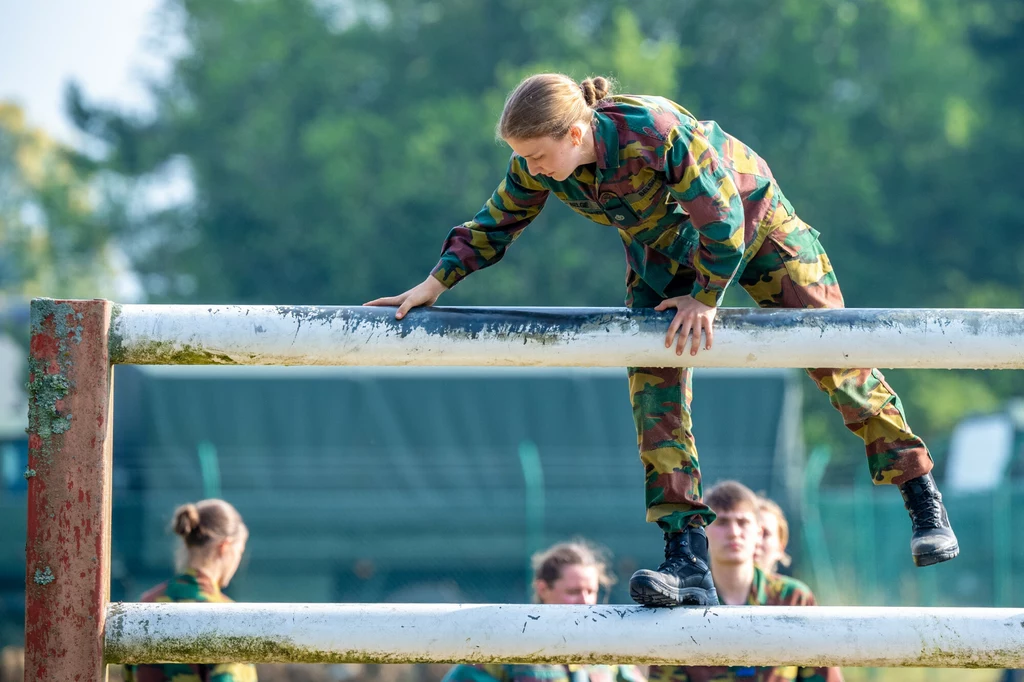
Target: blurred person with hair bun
[(213, 539)]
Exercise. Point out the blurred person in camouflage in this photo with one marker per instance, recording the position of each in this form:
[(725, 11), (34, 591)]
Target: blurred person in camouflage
[(213, 542), (733, 540), (566, 573), (771, 550), (697, 211)]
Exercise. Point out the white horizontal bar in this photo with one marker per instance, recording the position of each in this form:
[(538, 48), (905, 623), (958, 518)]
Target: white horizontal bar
[(449, 633), (564, 337)]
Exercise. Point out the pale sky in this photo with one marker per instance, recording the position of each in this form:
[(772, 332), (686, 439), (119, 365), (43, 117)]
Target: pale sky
[(100, 43), (107, 46)]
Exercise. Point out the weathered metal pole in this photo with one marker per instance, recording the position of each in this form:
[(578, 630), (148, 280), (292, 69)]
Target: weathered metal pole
[(563, 337), (448, 633), (69, 491)]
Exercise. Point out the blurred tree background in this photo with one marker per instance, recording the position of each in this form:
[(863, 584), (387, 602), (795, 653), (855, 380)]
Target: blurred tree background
[(328, 146), (53, 236)]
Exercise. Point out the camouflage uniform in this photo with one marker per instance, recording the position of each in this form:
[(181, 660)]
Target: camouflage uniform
[(190, 586), (696, 210), (766, 590), (544, 673)]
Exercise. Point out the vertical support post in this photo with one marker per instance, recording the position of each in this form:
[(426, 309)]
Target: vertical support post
[(69, 491)]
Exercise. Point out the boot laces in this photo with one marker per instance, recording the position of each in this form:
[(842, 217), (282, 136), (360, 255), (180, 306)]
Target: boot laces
[(927, 515), (677, 554), (926, 508)]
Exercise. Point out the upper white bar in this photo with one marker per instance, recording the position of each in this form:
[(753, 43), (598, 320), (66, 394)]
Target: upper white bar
[(447, 633), (563, 337)]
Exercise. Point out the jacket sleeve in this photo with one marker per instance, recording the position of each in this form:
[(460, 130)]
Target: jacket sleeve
[(820, 675), (232, 672), (703, 186), (629, 673), (668, 673), (476, 673), (482, 241)]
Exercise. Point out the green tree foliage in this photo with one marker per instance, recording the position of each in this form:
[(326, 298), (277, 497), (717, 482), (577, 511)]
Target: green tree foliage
[(53, 242)]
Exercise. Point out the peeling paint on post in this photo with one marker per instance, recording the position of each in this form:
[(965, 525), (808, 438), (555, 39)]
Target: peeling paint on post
[(535, 633), (67, 551)]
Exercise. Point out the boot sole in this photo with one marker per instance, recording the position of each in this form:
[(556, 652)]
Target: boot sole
[(655, 593), (933, 558)]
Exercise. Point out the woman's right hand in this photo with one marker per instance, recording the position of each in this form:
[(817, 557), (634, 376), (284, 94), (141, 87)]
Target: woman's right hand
[(424, 293)]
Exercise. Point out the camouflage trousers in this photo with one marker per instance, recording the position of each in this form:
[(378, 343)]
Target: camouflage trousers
[(787, 269)]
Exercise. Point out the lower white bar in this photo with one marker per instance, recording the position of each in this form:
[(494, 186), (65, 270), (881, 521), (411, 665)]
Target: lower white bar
[(450, 633)]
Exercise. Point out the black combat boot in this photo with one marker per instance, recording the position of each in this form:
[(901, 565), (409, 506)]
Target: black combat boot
[(933, 540), (685, 577)]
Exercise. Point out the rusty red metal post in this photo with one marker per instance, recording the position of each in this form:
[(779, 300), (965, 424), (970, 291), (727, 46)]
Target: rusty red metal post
[(69, 491)]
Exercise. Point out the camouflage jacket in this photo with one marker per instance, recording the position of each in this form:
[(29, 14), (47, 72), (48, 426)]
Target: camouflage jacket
[(190, 586), (544, 673), (678, 190), (766, 590)]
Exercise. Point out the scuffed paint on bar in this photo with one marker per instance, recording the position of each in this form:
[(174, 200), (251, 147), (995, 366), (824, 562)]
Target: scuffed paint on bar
[(563, 337), (67, 548), (483, 633)]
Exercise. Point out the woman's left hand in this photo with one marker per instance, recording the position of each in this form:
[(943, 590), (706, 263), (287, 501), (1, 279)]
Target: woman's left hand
[(691, 316)]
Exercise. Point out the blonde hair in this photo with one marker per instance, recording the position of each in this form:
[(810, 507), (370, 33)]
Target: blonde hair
[(549, 565), (200, 525), (548, 104), (771, 507)]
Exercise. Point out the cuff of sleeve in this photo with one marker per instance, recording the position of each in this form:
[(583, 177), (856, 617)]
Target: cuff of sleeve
[(444, 273), (711, 297)]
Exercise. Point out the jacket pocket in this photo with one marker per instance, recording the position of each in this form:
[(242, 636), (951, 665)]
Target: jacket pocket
[(618, 210)]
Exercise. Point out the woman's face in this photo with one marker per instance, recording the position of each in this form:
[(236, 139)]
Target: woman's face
[(577, 585), (770, 549), (553, 157)]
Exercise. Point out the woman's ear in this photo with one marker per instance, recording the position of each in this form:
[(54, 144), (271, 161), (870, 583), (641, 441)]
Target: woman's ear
[(576, 135), (222, 548)]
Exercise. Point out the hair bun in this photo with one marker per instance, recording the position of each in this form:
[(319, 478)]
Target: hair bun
[(186, 520), (595, 89)]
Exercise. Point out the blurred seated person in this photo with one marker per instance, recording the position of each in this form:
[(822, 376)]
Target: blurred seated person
[(771, 552), (567, 573), (733, 539)]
